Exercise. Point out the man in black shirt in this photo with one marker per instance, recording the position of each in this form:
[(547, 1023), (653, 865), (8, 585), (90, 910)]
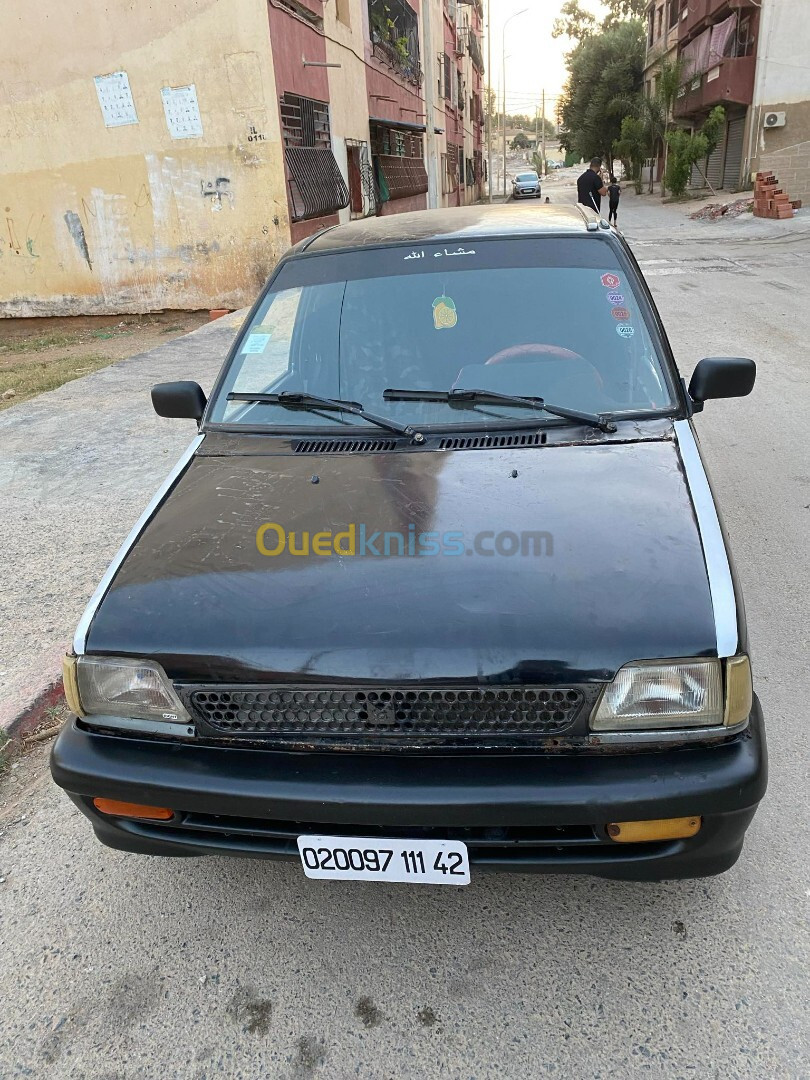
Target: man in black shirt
[(590, 186)]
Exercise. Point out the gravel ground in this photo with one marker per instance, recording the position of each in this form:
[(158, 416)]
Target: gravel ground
[(118, 967)]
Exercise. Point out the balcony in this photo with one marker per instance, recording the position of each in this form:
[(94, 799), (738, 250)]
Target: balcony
[(476, 55), (394, 33), (702, 13), (730, 81)]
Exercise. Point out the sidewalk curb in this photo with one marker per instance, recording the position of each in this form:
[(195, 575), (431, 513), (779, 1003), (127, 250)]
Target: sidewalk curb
[(32, 716)]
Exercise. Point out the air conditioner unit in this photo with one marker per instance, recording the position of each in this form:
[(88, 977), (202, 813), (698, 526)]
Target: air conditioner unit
[(774, 119)]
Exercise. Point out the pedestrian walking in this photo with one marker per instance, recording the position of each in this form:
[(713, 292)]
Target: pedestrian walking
[(614, 194), (591, 186)]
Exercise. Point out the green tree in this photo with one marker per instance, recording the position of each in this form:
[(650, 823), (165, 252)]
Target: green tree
[(520, 142), (655, 111), (631, 148), (687, 150), (573, 22), (619, 10), (577, 23), (605, 69)]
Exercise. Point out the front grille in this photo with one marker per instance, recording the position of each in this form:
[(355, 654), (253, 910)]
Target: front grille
[(365, 711), (475, 836)]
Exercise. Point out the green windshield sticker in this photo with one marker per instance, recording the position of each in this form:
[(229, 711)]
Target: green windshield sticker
[(255, 343), (444, 313)]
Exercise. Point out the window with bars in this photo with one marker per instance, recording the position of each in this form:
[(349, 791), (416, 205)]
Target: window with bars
[(450, 179), (304, 121), (394, 142), (399, 161), (448, 78), (316, 185)]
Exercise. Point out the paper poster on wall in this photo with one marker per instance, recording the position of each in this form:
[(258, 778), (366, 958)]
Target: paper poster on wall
[(182, 111), (115, 99)]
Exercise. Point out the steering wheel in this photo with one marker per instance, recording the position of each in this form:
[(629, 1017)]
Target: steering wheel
[(527, 354)]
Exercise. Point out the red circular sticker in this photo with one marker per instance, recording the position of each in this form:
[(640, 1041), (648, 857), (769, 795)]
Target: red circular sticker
[(620, 313), (611, 281)]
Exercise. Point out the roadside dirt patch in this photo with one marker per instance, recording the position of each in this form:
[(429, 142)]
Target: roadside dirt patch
[(40, 354), (24, 757)]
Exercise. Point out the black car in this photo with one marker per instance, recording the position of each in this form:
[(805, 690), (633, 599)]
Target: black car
[(439, 586), (526, 185)]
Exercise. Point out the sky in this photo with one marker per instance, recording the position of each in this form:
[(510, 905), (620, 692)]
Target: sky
[(534, 59)]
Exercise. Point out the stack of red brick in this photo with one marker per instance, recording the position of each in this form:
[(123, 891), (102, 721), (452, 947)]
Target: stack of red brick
[(770, 200)]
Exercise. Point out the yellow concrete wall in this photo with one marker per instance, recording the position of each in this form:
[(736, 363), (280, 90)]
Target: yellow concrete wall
[(106, 220), (348, 100)]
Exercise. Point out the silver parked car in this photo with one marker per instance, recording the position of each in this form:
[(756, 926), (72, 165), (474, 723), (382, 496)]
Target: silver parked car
[(526, 185)]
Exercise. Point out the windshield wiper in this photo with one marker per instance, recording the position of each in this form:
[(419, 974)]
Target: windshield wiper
[(293, 400), (461, 397)]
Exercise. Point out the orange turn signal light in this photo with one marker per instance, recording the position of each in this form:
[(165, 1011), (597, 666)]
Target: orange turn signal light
[(639, 832), (132, 810)]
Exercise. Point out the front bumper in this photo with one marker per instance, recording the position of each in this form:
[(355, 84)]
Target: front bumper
[(526, 812)]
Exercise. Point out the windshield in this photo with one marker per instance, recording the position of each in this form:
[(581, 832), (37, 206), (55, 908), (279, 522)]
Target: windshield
[(554, 318), (526, 177)]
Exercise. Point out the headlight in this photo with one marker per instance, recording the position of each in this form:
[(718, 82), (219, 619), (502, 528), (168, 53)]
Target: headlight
[(137, 689), (673, 694)]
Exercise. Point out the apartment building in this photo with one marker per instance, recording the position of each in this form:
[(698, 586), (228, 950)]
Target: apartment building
[(779, 136), (663, 18), (166, 156), (717, 45)]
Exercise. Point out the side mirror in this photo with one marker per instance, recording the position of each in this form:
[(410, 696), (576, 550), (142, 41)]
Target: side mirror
[(721, 377), (179, 400)]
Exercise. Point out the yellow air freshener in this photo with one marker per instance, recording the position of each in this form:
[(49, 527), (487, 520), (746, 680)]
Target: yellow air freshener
[(444, 313)]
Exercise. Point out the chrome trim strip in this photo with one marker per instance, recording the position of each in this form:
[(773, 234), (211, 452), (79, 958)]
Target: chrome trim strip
[(663, 737), (80, 637), (144, 727), (715, 555)]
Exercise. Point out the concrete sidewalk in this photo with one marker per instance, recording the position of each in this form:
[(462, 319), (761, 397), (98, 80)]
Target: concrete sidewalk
[(77, 467)]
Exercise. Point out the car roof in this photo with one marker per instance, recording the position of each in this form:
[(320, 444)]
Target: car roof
[(457, 224)]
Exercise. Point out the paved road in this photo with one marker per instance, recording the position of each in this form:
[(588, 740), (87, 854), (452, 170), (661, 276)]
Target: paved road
[(116, 967)]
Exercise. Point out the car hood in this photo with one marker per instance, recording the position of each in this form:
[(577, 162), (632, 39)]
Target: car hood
[(618, 572)]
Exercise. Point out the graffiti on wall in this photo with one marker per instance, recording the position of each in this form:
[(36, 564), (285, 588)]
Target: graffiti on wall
[(217, 191), (21, 243), (76, 230)]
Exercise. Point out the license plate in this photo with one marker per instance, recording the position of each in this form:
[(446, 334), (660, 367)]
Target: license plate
[(363, 858)]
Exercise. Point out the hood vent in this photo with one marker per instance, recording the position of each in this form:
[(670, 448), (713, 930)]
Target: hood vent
[(486, 442), (343, 446)]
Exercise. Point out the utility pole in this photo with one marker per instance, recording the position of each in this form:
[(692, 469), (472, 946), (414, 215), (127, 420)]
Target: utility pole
[(545, 165), (489, 98), (503, 118), (503, 78), (431, 158)]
